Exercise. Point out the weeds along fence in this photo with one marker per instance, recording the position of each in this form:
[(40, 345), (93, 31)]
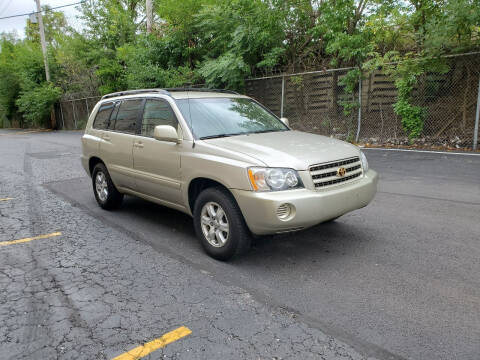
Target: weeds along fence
[(315, 102)]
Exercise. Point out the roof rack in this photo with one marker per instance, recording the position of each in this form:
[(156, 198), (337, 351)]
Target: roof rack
[(204, 90), (165, 91), (133, 92)]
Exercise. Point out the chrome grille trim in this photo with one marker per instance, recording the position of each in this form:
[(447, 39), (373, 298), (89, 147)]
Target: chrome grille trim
[(324, 175), (334, 164), (334, 173)]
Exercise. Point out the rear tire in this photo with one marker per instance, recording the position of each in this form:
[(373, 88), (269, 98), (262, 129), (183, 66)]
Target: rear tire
[(106, 194), (219, 224)]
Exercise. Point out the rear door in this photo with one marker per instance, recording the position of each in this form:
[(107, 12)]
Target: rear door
[(96, 132), (157, 163), (116, 147)]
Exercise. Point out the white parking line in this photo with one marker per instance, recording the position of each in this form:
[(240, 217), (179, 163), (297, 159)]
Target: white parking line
[(422, 151)]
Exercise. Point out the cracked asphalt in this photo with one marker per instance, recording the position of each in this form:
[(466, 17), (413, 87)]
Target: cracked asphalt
[(396, 280)]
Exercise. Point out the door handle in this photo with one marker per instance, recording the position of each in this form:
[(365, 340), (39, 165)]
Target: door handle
[(106, 137), (138, 145)]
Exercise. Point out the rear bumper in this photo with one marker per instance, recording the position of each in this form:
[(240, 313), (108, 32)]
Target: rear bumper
[(310, 207), (85, 164)]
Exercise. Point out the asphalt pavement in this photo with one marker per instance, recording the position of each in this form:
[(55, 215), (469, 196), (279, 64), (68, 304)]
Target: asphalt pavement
[(398, 279)]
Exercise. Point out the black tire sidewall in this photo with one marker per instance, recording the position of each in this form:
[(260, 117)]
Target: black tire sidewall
[(114, 198), (238, 237)]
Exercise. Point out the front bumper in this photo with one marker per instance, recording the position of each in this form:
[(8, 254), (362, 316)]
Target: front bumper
[(311, 207)]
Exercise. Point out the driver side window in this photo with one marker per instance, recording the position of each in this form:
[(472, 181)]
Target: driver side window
[(157, 112)]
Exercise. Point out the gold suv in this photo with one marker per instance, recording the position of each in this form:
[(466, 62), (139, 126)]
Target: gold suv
[(224, 159)]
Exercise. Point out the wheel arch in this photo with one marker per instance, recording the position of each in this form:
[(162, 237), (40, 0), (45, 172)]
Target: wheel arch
[(198, 184), (94, 160)]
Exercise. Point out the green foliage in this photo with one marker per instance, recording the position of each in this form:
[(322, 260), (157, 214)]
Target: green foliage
[(36, 103), (239, 36), (228, 71), (56, 27), (111, 23), (350, 82), (221, 42), (406, 71), (146, 65), (9, 79), (412, 117)]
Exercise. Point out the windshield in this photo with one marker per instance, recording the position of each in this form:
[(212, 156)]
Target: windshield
[(219, 117)]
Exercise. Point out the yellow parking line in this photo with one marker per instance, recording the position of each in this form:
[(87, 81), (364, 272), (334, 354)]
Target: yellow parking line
[(145, 349), (5, 243), (6, 199)]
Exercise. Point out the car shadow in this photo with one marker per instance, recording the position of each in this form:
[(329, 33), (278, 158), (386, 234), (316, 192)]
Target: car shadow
[(172, 230), (321, 242), (158, 214)]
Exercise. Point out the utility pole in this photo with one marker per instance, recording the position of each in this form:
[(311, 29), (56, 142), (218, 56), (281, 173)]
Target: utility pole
[(149, 10), (41, 29), (42, 39)]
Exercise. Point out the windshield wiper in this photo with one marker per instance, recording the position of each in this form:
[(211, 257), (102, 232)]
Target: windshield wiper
[(219, 136), (265, 131)]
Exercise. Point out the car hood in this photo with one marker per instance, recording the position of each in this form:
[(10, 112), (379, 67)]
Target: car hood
[(291, 149)]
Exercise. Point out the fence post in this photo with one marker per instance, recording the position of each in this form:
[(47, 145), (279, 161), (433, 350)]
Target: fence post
[(88, 111), (283, 95), (61, 114), (74, 117), (477, 115), (359, 119)]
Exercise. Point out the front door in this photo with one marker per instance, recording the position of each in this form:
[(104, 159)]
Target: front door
[(157, 163)]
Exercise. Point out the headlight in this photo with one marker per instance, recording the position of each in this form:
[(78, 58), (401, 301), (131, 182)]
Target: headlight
[(274, 179), (364, 161)]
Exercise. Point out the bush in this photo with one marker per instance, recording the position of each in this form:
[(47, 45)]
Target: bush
[(228, 71), (412, 117), (36, 103)]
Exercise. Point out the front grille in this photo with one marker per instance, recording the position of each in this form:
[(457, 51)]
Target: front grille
[(327, 174)]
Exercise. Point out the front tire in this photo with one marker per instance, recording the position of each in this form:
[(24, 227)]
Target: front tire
[(219, 224), (106, 194)]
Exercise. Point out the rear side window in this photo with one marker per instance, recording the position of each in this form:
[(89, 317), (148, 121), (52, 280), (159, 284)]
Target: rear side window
[(113, 117), (103, 116), (157, 112), (128, 115)]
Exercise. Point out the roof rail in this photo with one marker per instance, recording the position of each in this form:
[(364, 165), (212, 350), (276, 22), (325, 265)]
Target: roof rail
[(133, 92), (165, 91), (203, 90)]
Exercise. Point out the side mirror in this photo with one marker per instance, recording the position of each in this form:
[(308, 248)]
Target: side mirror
[(166, 133), (285, 121)]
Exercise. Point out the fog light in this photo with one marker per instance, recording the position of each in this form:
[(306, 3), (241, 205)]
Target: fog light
[(285, 212)]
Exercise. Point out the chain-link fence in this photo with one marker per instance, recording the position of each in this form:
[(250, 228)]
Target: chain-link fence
[(73, 114), (317, 102)]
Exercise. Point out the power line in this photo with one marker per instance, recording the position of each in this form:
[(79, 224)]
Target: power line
[(36, 12)]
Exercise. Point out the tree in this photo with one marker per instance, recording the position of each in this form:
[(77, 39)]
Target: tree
[(222, 42), (56, 27)]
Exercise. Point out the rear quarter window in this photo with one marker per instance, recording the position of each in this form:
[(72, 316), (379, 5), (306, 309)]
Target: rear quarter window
[(103, 116)]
